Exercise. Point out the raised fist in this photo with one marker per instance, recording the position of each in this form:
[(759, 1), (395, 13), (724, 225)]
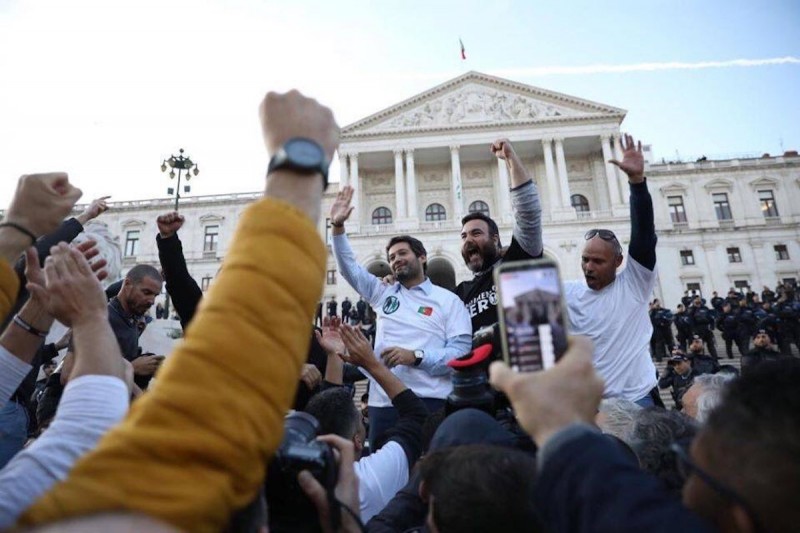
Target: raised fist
[(502, 149), (42, 201), (94, 209), (169, 224), (284, 116)]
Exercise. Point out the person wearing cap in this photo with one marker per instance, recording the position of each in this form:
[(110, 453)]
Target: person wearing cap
[(702, 363), (678, 375), (762, 352), (703, 323)]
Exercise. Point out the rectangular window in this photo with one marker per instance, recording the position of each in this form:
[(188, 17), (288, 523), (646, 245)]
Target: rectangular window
[(734, 256), (205, 282), (791, 282), (741, 284), (211, 239), (677, 212), (132, 243), (781, 252), (330, 279), (687, 257), (768, 205), (694, 288), (721, 206)]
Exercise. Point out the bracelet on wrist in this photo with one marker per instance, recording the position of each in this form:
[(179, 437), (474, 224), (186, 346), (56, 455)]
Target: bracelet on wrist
[(27, 327), (335, 225), (19, 228)]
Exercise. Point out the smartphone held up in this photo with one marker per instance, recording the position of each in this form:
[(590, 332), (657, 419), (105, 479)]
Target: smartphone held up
[(532, 314)]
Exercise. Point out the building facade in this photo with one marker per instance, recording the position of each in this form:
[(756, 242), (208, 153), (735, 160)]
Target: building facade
[(419, 166)]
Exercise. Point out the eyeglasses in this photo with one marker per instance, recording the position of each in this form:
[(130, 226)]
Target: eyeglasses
[(605, 234), (687, 467)]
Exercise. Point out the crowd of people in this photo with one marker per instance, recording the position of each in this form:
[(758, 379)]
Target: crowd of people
[(250, 423)]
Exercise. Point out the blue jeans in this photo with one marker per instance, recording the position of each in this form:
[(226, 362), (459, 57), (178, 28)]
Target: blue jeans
[(13, 430), (646, 401), (382, 419)]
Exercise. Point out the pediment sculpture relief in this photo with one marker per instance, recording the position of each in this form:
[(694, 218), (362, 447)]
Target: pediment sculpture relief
[(474, 104)]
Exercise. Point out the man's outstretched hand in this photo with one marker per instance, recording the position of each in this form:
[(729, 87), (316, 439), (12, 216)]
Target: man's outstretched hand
[(341, 206), (632, 162)]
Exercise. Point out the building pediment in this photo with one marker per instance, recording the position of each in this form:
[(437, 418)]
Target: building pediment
[(719, 184), (474, 100), (764, 182), (673, 188), (133, 223)]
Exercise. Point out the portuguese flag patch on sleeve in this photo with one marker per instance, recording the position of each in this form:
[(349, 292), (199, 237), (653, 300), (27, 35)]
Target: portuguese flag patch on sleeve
[(427, 311)]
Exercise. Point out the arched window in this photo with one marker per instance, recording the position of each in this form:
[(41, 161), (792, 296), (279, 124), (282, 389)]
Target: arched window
[(382, 215), (435, 212), (479, 206), (580, 203)]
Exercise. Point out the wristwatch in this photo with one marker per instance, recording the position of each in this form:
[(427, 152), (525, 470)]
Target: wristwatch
[(303, 156), (418, 355)]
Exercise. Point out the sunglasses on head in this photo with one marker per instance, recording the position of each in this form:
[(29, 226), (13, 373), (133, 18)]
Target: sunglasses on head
[(605, 234)]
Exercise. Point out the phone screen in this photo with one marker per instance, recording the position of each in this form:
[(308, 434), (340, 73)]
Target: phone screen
[(532, 324)]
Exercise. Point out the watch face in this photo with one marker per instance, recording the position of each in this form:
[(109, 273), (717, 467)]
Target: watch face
[(304, 152)]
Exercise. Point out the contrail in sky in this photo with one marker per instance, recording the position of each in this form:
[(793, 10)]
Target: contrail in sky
[(601, 68), (647, 67)]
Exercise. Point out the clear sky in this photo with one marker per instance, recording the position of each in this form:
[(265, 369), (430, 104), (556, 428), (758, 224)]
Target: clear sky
[(106, 89)]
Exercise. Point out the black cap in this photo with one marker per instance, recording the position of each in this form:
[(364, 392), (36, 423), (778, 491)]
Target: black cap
[(677, 358)]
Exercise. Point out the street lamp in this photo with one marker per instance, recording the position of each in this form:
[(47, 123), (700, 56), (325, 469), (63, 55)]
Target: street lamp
[(180, 163)]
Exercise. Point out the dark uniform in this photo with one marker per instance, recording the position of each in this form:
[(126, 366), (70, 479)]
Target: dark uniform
[(703, 364), (727, 324), (661, 342), (332, 308), (757, 356), (679, 383), (703, 325), (789, 326), (346, 306), (745, 326), (361, 307), (683, 323)]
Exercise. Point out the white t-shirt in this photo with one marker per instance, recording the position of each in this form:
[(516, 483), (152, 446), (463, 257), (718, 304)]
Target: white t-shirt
[(616, 319), (380, 475)]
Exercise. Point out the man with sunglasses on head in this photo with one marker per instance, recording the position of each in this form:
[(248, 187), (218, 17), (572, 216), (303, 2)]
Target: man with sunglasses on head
[(611, 308)]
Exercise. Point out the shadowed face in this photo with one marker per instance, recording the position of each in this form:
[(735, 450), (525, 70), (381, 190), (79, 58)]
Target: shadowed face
[(139, 297), (599, 262)]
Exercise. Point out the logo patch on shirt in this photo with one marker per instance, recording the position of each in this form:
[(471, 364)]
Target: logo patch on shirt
[(427, 311), (391, 305)]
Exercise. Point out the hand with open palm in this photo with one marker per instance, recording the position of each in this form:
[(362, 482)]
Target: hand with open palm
[(341, 208), (632, 162)]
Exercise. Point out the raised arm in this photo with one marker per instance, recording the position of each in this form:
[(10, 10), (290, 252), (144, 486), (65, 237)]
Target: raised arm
[(524, 200), (357, 276), (181, 286), (643, 229)]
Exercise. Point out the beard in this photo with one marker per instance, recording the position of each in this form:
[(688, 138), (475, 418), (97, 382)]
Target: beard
[(406, 272), (479, 258)]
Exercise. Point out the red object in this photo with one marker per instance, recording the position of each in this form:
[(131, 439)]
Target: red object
[(463, 51), (472, 358), (427, 311)]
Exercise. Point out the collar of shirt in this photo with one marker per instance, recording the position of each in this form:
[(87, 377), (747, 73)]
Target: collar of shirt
[(426, 287), (116, 305)]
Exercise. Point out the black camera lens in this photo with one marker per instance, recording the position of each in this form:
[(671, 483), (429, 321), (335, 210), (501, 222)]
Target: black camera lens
[(300, 427)]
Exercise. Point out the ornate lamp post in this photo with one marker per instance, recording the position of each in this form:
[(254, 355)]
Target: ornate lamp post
[(181, 163)]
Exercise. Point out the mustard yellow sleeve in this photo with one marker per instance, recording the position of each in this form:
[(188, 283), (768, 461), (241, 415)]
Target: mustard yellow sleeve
[(195, 447), (9, 288)]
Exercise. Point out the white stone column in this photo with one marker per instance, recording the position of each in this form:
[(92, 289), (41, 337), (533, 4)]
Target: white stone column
[(621, 176), (354, 182), (457, 187), (503, 194), (343, 170), (550, 173), (611, 175), (561, 165), (399, 185), (411, 185)]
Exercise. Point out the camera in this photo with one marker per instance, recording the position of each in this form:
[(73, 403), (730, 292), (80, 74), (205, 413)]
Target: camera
[(289, 507)]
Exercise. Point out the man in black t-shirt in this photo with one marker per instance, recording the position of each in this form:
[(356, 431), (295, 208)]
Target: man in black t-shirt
[(480, 239)]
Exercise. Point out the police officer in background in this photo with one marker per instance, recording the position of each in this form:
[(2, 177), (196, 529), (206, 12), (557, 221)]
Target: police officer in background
[(762, 352), (788, 311), (683, 323), (727, 324), (717, 302), (678, 375), (661, 341), (702, 363), (702, 320), (745, 326)]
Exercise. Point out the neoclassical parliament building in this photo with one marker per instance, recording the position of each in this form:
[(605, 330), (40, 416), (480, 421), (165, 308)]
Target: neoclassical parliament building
[(419, 166)]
